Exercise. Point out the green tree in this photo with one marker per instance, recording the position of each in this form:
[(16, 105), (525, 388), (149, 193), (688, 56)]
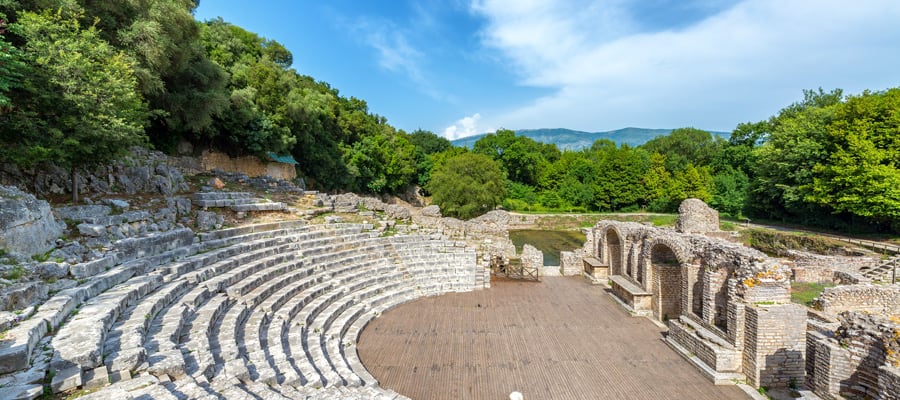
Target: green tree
[(659, 185), (83, 105), (686, 145), (783, 172), (11, 66), (861, 174), (520, 157), (730, 188), (381, 163), (692, 182), (427, 142), (184, 89), (620, 172), (467, 185)]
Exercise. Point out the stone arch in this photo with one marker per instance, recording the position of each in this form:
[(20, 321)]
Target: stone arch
[(612, 249), (677, 248), (664, 261)]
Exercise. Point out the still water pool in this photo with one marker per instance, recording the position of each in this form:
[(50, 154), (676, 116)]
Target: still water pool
[(548, 242)]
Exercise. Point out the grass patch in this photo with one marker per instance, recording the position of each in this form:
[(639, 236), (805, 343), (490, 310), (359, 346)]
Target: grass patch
[(14, 273), (727, 226), (41, 257), (663, 220), (804, 293), (776, 243)]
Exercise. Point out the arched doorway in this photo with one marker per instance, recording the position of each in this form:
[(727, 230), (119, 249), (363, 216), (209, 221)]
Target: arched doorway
[(667, 268), (614, 247)]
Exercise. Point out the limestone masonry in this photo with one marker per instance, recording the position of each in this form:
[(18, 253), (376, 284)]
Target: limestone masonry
[(728, 309), (164, 301)]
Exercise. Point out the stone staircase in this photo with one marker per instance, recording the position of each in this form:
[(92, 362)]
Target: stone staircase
[(237, 201), (884, 272), (270, 311)]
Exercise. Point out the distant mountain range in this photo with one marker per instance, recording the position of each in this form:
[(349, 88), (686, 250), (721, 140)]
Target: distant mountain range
[(577, 140)]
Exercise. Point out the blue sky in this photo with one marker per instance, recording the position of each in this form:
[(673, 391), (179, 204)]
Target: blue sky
[(462, 67)]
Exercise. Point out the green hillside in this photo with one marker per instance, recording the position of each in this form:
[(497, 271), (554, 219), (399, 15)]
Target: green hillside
[(576, 140)]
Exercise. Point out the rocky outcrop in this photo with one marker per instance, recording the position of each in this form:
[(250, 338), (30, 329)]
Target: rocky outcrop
[(26, 224), (143, 171)]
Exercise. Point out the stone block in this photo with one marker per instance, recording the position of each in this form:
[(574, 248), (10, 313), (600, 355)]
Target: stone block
[(83, 213), (117, 203), (52, 270), (91, 268), (432, 211), (22, 392), (92, 230), (15, 350), (22, 295), (27, 225), (96, 378), (66, 379), (169, 363), (78, 344), (119, 375)]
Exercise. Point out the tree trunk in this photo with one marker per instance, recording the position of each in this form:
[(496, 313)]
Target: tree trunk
[(74, 186)]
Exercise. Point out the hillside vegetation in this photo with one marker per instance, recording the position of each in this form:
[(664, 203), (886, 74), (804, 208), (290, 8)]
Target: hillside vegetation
[(83, 81), (568, 139)]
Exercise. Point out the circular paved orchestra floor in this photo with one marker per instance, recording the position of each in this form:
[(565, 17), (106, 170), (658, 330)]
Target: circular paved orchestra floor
[(557, 339)]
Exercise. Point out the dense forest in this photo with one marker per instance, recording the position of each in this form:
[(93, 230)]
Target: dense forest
[(81, 81)]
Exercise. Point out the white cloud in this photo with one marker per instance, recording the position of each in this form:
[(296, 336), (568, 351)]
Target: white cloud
[(740, 64), (396, 53), (466, 126)]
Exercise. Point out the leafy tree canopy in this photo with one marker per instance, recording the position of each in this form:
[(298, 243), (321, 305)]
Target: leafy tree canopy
[(84, 108), (685, 146), (467, 185)]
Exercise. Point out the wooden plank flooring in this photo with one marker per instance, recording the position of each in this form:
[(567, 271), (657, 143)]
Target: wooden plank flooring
[(557, 339)]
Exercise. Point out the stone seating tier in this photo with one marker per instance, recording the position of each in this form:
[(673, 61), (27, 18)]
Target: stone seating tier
[(265, 311), (237, 201)]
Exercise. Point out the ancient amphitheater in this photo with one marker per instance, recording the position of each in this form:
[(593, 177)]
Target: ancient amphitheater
[(276, 311)]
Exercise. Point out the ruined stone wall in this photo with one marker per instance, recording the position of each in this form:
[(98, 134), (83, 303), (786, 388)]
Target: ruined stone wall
[(889, 383), (775, 345), (714, 297), (668, 298), (532, 257), (570, 262), (768, 291), (883, 299), (252, 166), (809, 267), (694, 216), (860, 361), (850, 278)]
